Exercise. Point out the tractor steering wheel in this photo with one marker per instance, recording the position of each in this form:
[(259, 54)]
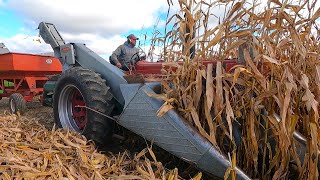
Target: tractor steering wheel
[(138, 56)]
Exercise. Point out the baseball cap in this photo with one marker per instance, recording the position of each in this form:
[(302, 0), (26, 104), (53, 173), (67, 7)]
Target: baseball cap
[(132, 36)]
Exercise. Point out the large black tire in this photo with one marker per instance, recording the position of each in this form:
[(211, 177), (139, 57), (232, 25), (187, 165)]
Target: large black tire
[(82, 87), (17, 103)]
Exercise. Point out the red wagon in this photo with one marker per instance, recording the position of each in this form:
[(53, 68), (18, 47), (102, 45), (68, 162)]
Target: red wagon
[(22, 77)]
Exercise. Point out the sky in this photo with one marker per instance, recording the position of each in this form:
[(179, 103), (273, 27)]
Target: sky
[(101, 25)]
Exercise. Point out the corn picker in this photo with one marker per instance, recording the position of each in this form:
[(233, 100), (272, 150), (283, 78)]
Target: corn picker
[(91, 94)]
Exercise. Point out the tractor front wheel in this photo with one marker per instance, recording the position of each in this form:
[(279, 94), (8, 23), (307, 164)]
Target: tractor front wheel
[(78, 95), (17, 103)]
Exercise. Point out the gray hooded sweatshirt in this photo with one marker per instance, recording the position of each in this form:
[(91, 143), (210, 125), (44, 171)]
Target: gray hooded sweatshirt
[(123, 54)]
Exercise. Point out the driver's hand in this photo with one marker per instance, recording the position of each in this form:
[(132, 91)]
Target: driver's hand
[(119, 65)]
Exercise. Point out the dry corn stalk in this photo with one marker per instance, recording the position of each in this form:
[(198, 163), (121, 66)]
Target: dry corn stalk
[(28, 150), (279, 77)]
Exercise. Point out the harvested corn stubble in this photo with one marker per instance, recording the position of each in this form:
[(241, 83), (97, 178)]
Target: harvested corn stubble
[(28, 150)]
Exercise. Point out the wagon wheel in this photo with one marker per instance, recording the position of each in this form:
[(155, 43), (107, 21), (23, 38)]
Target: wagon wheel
[(17, 103), (76, 91)]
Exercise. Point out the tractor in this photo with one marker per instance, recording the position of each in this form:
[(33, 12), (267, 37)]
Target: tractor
[(91, 95)]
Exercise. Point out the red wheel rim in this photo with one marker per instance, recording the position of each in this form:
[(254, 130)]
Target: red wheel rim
[(79, 112)]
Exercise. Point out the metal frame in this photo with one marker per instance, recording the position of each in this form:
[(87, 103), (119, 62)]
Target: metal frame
[(28, 86)]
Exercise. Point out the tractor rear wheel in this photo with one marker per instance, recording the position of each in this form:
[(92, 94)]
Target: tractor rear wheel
[(17, 103), (78, 94)]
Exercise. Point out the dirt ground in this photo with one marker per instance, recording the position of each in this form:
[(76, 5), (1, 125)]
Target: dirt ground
[(35, 110)]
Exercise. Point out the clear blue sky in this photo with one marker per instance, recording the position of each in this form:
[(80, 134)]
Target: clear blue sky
[(10, 23)]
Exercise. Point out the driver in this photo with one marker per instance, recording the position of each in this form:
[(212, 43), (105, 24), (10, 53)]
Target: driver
[(122, 56)]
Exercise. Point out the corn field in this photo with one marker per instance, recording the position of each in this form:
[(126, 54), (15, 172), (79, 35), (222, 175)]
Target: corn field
[(252, 112), (28, 150)]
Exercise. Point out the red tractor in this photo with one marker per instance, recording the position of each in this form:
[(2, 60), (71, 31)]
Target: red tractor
[(91, 95)]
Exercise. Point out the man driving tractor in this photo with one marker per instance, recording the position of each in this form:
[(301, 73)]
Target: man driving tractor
[(122, 57)]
